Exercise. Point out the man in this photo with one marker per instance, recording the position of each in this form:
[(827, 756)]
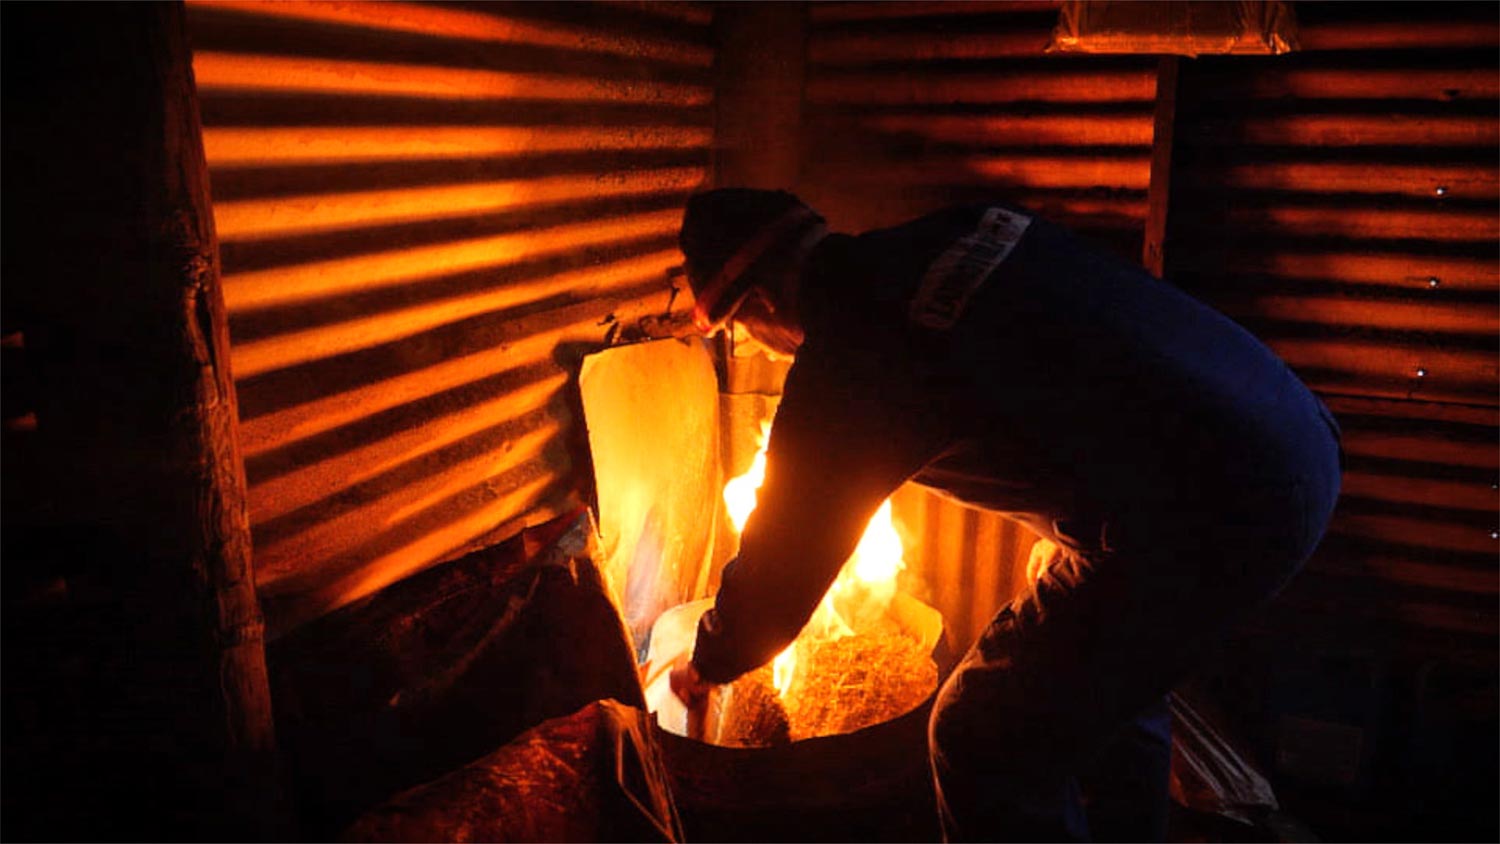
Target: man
[(1181, 471)]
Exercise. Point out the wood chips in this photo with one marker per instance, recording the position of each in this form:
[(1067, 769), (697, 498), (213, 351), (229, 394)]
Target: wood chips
[(841, 685)]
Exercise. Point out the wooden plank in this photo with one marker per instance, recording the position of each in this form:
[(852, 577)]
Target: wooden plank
[(175, 740), (761, 78), (1159, 192)]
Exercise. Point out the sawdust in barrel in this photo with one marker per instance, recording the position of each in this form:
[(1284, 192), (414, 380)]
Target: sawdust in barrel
[(845, 685), (859, 681), (752, 714)]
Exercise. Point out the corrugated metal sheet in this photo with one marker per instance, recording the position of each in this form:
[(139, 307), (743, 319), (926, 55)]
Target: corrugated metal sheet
[(967, 563), (1341, 202), (427, 214), (911, 106)]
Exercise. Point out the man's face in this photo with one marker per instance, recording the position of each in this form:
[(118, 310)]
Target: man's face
[(777, 332)]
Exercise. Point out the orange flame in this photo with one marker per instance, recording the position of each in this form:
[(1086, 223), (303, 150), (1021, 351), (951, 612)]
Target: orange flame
[(740, 492), (861, 592), (783, 668)]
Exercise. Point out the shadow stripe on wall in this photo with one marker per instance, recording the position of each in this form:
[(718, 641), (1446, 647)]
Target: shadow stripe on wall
[(591, 269), (354, 109), (503, 446), (243, 72), (400, 33), (309, 283), (1349, 269), (296, 249), (318, 343), (444, 529), (420, 144), (471, 399), (506, 178)]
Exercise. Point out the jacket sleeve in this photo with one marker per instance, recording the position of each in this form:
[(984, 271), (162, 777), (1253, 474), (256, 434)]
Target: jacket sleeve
[(851, 427)]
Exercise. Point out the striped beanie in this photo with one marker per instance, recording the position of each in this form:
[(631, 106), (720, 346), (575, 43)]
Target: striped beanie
[(725, 234)]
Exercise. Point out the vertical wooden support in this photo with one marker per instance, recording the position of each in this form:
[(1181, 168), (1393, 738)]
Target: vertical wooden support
[(761, 76), (1159, 194), (761, 63), (154, 720)]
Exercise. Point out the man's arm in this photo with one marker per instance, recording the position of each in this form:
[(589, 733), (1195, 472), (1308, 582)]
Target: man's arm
[(850, 429)]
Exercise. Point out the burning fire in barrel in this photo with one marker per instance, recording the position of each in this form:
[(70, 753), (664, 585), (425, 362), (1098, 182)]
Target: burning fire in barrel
[(865, 656)]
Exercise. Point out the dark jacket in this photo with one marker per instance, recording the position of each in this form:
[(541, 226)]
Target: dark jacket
[(1062, 386)]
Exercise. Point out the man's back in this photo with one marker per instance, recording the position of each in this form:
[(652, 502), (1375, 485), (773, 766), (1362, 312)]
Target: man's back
[(1071, 379)]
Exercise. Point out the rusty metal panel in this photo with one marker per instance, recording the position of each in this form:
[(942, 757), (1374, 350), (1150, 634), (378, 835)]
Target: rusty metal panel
[(911, 106), (427, 215), (1411, 552), (1341, 203)]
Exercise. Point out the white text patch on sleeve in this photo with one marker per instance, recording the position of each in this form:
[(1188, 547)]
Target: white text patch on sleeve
[(960, 271)]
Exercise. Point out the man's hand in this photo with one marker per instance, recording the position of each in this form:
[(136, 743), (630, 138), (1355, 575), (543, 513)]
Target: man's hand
[(692, 690), (686, 683), (1043, 554)]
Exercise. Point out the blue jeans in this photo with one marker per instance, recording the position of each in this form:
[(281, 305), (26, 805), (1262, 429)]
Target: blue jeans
[(1069, 679)]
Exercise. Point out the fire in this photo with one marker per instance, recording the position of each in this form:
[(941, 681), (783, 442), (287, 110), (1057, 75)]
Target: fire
[(864, 587), (783, 667), (877, 558), (740, 492)]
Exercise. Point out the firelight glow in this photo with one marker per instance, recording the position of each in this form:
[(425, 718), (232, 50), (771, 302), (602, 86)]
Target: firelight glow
[(864, 587), (783, 667), (740, 492), (877, 558)]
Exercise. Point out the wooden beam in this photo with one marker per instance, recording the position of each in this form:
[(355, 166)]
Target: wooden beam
[(760, 81), (153, 714), (1158, 194), (761, 69)]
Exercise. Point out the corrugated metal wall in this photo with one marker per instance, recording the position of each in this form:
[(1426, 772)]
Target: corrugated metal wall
[(1341, 202), (423, 208), (427, 214), (911, 106)]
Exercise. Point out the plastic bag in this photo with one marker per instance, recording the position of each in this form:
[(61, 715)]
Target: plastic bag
[(429, 673), (1209, 774), (595, 775), (1265, 27)]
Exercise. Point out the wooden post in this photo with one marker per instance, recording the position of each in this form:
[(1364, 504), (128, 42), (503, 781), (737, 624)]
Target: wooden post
[(761, 58), (153, 715), (761, 70), (1159, 193)]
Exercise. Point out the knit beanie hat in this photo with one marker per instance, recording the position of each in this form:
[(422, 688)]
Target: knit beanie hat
[(725, 235)]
